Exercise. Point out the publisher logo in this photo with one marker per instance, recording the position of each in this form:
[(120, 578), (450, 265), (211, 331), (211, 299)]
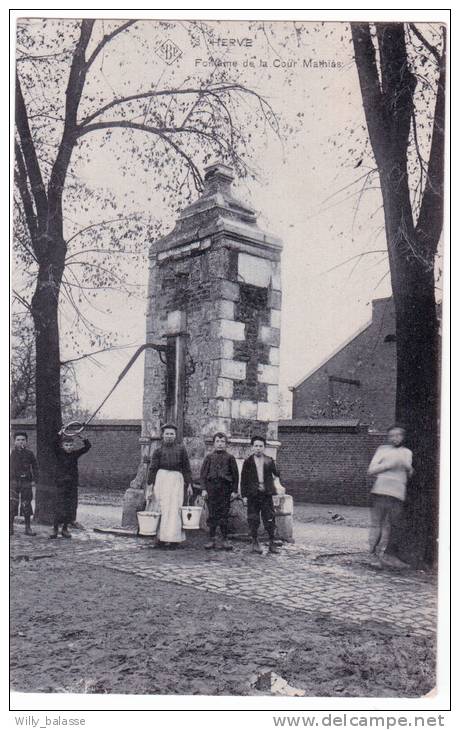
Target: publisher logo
[(168, 52)]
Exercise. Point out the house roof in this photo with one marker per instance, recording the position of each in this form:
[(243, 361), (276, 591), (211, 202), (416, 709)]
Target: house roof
[(332, 354)]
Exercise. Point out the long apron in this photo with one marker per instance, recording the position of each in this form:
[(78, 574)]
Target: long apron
[(169, 498)]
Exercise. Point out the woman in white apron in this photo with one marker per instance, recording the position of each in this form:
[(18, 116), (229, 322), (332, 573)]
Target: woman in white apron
[(169, 472)]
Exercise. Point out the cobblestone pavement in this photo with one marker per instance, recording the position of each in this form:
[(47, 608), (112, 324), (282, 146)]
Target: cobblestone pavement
[(297, 579)]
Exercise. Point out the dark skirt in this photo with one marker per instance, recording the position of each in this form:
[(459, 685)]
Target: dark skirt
[(65, 506)]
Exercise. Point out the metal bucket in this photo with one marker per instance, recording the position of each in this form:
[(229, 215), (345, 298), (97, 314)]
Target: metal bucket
[(191, 517), (148, 522)]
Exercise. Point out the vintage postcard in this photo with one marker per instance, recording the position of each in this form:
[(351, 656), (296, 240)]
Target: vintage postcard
[(227, 306)]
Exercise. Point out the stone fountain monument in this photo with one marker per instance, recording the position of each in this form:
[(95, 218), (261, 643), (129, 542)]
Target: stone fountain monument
[(214, 300)]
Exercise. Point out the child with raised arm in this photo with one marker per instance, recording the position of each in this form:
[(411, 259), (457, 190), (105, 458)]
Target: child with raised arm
[(66, 481)]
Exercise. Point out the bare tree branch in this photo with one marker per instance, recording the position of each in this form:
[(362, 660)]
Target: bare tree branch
[(96, 225), (106, 251), (203, 91), (160, 131), (109, 272), (97, 352), (21, 300), (434, 51), (29, 153), (345, 187), (357, 256), (151, 130), (106, 39), (26, 56), (430, 220), (373, 100), (77, 77), (21, 181)]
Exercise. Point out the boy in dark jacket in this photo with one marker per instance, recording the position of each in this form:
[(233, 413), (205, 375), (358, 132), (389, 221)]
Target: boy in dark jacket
[(23, 475), (66, 482), (219, 479), (257, 486)]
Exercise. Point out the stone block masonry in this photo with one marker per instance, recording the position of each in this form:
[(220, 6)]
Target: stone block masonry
[(270, 336), (233, 369), (268, 374), (227, 329), (217, 277), (267, 411)]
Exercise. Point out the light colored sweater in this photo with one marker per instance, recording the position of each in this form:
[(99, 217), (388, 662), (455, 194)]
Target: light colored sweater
[(397, 463)]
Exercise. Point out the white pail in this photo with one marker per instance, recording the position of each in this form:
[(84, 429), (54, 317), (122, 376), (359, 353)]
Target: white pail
[(148, 522), (191, 517), (284, 517)]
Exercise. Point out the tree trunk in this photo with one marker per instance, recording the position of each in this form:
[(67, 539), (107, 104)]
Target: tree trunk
[(418, 383), (417, 405), (43, 211), (48, 391), (387, 87)]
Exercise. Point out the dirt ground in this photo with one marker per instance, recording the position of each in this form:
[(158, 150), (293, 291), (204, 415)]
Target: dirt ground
[(94, 630)]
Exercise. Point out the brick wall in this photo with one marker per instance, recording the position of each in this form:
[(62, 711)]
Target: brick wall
[(327, 465), (317, 464), (114, 458)]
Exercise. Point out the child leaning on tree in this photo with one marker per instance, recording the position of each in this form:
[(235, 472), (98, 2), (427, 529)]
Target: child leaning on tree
[(391, 466)]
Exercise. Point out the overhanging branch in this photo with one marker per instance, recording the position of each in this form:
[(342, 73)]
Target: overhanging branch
[(212, 91), (106, 39), (429, 47), (198, 181), (100, 224)]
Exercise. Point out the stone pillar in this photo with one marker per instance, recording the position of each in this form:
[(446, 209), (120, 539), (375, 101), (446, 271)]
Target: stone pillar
[(216, 280)]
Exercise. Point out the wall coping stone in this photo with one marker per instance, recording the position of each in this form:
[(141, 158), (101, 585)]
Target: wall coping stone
[(115, 424), (244, 441), (323, 424)]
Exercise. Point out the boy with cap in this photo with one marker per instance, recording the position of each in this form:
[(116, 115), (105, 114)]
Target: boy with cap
[(219, 481), (23, 475), (258, 488)]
